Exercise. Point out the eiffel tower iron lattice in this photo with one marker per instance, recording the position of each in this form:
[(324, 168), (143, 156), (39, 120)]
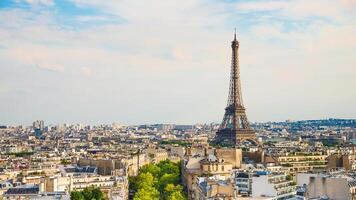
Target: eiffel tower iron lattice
[(235, 127)]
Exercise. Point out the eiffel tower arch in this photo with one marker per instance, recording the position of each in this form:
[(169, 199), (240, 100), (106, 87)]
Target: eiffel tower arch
[(235, 128)]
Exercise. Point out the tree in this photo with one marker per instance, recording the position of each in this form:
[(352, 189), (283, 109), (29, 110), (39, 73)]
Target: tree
[(89, 193), (145, 180), (168, 179), (170, 190), (153, 169), (168, 167), (158, 182), (76, 195), (65, 162), (97, 193), (176, 195), (133, 183), (147, 194)]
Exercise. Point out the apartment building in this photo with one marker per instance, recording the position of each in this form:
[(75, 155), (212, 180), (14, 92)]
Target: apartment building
[(299, 162), (274, 185), (215, 187)]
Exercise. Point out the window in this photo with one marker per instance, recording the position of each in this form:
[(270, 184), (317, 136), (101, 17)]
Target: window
[(222, 168)]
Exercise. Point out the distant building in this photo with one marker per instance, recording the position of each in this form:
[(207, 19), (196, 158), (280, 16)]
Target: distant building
[(157, 155), (347, 162), (38, 124), (184, 127), (38, 133), (351, 136)]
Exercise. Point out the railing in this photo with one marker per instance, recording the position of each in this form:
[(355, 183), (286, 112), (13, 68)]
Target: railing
[(286, 190)]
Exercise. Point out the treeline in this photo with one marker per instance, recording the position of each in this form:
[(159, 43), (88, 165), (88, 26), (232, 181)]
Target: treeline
[(20, 154), (160, 181), (177, 142)]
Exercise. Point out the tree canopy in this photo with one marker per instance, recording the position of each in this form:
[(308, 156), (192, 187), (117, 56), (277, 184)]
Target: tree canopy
[(89, 193), (158, 182)]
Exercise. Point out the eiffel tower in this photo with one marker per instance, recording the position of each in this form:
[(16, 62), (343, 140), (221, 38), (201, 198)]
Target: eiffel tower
[(235, 127)]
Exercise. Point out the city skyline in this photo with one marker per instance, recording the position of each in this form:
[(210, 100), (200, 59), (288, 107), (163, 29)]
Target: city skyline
[(93, 62)]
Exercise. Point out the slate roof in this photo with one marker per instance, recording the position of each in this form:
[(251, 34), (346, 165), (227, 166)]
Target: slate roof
[(23, 190)]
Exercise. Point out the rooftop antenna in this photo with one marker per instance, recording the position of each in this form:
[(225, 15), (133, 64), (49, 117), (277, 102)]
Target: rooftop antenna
[(235, 34)]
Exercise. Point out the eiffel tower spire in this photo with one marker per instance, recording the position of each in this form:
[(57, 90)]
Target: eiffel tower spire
[(235, 127)]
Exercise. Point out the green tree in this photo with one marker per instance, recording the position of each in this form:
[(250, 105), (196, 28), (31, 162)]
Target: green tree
[(147, 194), (65, 162), (158, 182), (89, 193), (168, 179), (150, 168), (97, 193), (170, 189), (176, 195), (145, 180), (76, 195), (133, 183), (168, 167)]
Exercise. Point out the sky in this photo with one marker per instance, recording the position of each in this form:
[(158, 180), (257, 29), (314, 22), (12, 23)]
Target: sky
[(168, 61)]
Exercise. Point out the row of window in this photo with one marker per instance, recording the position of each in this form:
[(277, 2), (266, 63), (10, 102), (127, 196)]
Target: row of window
[(216, 168)]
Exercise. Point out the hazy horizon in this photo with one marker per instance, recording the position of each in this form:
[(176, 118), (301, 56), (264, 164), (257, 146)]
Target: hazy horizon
[(152, 123), (97, 62)]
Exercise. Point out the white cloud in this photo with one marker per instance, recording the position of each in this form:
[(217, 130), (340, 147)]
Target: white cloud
[(170, 61), (87, 71), (299, 9), (54, 68)]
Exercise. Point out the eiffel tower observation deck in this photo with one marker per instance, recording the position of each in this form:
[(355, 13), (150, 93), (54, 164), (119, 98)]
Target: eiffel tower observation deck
[(235, 128)]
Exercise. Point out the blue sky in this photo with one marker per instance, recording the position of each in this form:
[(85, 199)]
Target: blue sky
[(155, 61)]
